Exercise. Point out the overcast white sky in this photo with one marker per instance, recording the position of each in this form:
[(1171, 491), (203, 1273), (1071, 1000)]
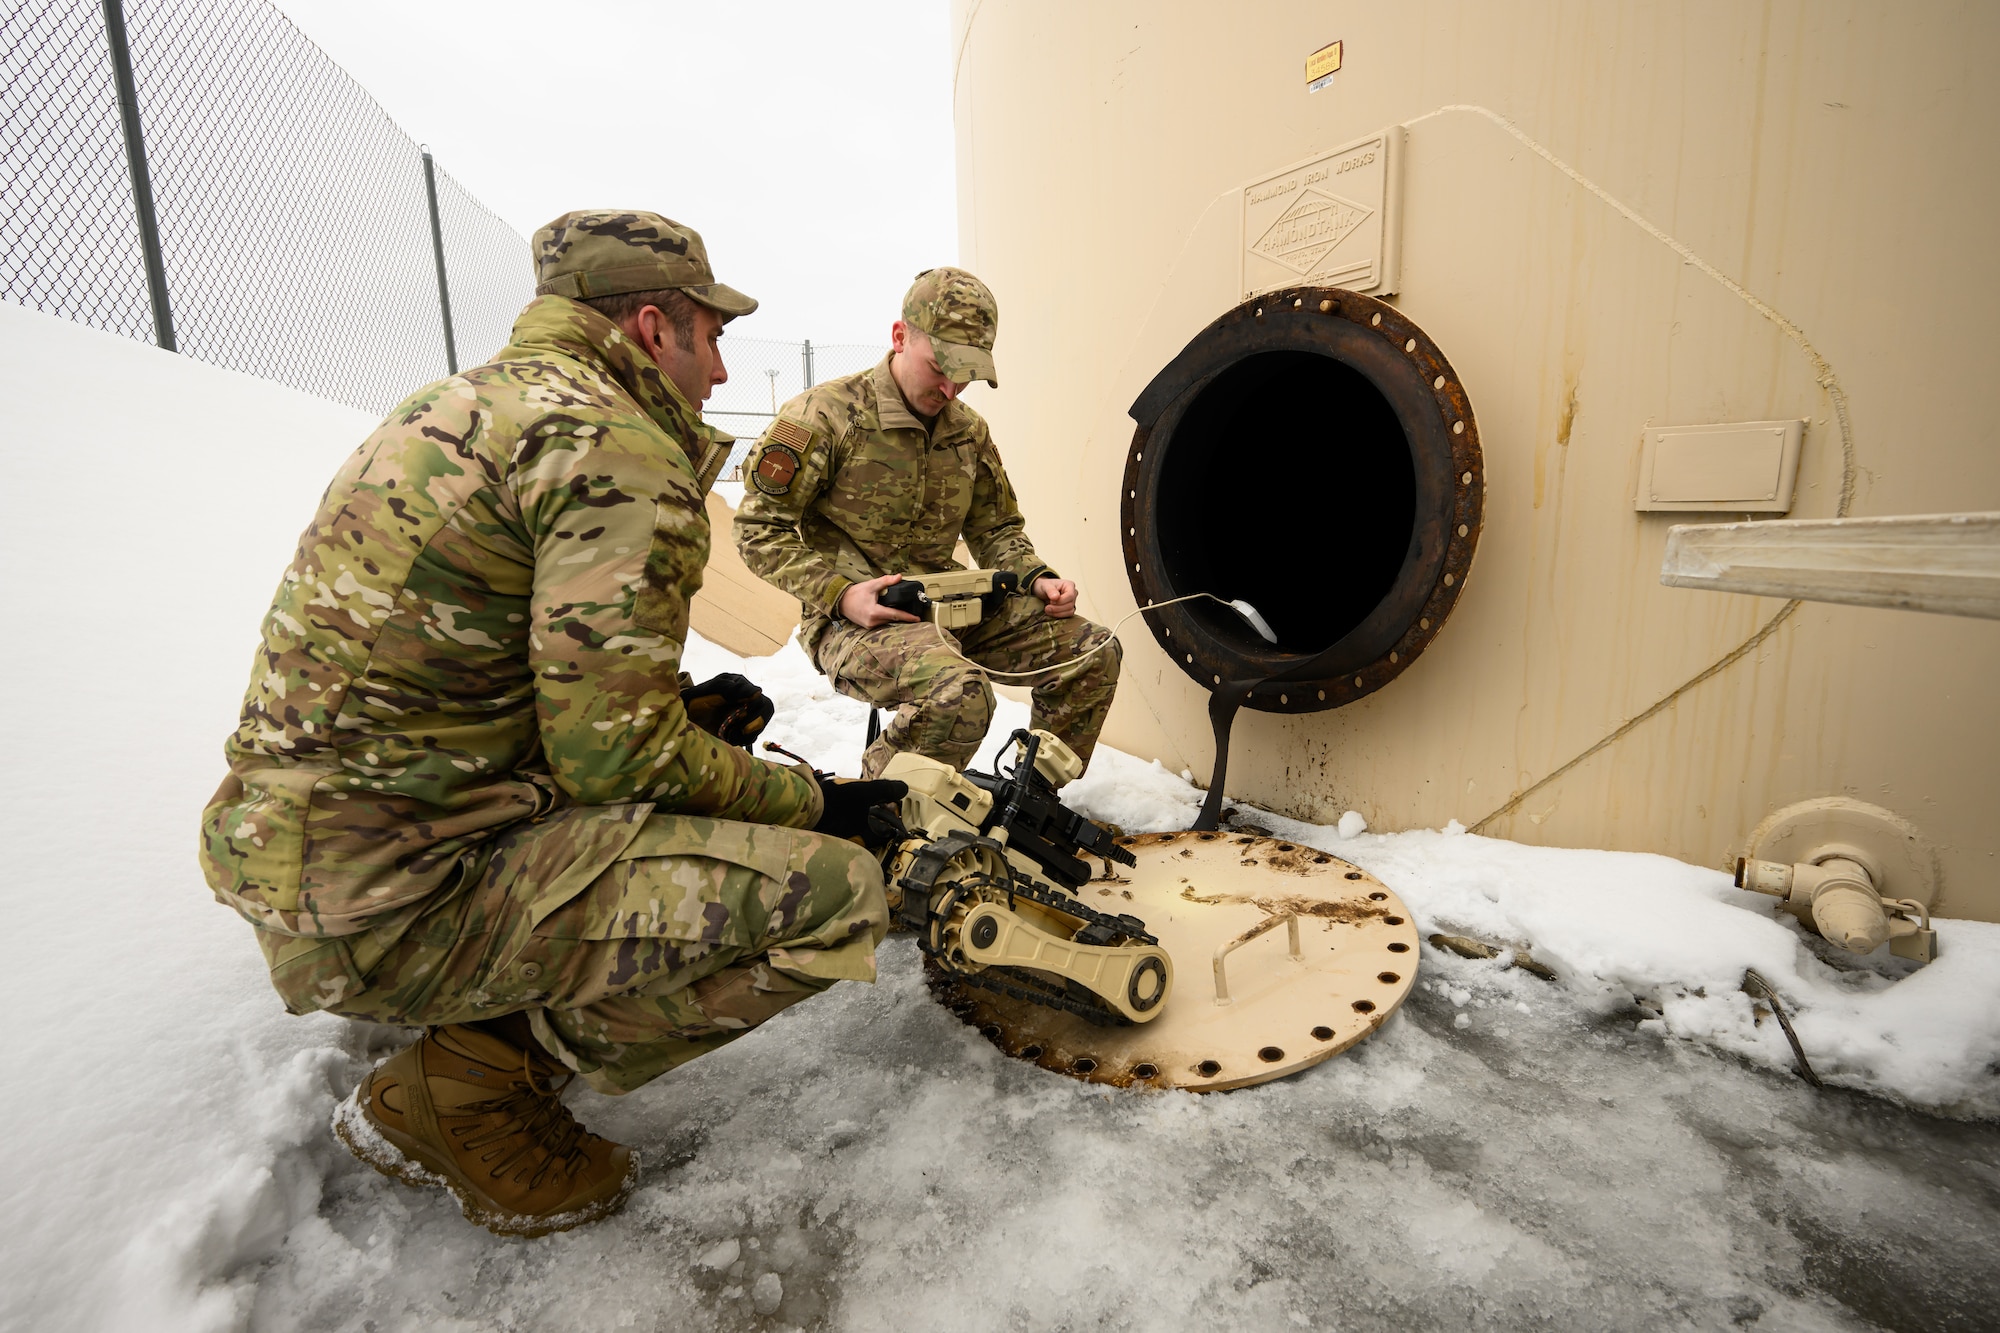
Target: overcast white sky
[(809, 143)]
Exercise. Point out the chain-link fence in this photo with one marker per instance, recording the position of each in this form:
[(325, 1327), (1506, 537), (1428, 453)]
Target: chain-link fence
[(294, 232), (764, 374), (294, 236)]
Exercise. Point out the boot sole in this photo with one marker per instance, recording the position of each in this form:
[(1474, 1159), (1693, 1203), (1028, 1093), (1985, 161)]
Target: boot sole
[(403, 1159)]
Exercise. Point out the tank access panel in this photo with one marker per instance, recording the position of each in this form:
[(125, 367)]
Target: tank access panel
[(1283, 956)]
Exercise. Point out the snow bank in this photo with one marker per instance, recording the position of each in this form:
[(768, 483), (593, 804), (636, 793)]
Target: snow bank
[(158, 1103), (1622, 1147)]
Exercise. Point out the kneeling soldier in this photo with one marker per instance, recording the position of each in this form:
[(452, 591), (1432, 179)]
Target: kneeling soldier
[(466, 792), (864, 480)]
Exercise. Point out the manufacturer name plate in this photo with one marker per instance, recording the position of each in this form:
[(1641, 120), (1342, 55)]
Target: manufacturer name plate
[(1333, 221)]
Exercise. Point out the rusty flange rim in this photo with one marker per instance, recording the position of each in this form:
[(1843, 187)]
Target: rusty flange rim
[(1179, 634)]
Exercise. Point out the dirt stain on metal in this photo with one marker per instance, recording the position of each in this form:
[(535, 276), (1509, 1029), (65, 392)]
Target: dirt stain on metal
[(1351, 911)]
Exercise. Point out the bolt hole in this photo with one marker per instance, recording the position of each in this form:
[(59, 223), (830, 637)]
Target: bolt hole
[(1373, 897), (1458, 428), (1423, 624), (1388, 978), (1393, 659), (1464, 479), (1438, 383), (1325, 306), (1298, 301), (1270, 1055), (1410, 346), (1284, 698), (1031, 1052), (1393, 920), (1145, 1071), (1463, 529), (1322, 694), (1208, 1068), (1207, 837), (1376, 322), (1357, 679), (1321, 860), (990, 1031), (1083, 1064), (1286, 847), (1322, 1034), (1399, 947), (1354, 874), (1364, 1006)]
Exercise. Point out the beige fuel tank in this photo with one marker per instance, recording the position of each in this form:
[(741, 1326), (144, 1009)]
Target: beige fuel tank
[(1417, 327)]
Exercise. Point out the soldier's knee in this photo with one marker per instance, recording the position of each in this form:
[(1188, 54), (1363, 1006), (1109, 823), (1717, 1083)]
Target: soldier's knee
[(846, 881), (972, 711), (1111, 659), (859, 874), (963, 701)]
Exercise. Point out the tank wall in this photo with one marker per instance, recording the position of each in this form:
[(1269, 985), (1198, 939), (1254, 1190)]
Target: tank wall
[(1809, 188)]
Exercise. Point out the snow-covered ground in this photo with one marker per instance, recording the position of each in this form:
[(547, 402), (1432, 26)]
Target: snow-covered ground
[(1624, 1147)]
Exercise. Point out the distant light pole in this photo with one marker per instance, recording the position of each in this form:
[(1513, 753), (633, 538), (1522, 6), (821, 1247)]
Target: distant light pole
[(773, 376)]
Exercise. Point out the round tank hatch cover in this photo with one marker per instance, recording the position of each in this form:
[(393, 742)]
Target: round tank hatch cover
[(1315, 954)]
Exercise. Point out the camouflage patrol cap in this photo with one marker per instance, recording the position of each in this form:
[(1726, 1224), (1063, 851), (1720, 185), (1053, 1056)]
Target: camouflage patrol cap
[(602, 252), (959, 313)]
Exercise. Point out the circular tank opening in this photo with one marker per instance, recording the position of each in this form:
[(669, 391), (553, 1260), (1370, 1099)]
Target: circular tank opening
[(1290, 486), (1313, 454)]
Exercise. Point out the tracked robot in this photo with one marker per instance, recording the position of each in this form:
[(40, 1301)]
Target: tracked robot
[(983, 869)]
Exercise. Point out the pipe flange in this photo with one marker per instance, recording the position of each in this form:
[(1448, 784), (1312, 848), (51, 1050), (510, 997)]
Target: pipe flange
[(1403, 364)]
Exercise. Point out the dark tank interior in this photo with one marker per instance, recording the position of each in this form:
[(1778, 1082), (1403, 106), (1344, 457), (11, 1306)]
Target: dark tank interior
[(1289, 484)]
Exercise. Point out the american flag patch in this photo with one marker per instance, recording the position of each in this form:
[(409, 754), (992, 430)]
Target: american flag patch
[(790, 433)]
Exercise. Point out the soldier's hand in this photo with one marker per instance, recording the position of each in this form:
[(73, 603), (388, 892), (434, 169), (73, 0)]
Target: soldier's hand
[(728, 706), (1059, 594), (860, 604), (848, 804)]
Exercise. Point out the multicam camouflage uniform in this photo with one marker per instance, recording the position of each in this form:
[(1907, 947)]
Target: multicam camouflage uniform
[(464, 783), (849, 484)]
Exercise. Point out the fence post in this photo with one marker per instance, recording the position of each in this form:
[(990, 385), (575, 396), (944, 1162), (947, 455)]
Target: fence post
[(437, 253), (806, 350), (142, 181)]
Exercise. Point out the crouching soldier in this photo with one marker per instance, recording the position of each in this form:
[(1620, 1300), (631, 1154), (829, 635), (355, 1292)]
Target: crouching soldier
[(868, 479), (466, 792)]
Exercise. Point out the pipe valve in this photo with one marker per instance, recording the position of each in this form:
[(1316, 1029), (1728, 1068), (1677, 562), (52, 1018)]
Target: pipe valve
[(1837, 895)]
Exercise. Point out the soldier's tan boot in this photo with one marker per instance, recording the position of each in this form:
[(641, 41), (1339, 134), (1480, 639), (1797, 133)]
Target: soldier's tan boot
[(484, 1118)]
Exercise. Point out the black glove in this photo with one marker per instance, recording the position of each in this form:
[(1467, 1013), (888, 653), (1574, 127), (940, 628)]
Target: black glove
[(728, 706), (848, 805)]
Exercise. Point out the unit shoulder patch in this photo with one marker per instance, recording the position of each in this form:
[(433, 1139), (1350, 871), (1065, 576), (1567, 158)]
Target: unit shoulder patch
[(776, 467)]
